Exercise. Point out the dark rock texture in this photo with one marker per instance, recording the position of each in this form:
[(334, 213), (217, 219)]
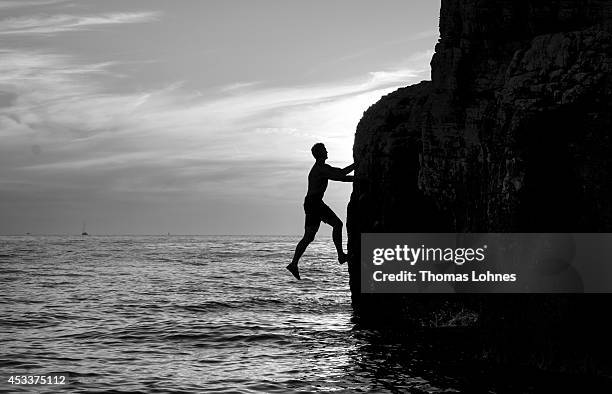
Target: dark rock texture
[(513, 134)]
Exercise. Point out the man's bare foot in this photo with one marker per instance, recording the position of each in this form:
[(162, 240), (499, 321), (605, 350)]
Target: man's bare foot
[(343, 259), (293, 268)]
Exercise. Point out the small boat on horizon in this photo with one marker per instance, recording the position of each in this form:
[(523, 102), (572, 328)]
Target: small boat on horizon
[(83, 232)]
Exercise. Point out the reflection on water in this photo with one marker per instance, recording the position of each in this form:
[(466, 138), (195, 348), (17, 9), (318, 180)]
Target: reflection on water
[(219, 314)]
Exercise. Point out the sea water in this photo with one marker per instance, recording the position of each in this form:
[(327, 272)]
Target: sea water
[(203, 313)]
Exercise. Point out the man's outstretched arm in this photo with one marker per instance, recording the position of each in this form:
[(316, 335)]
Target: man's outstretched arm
[(339, 174), (348, 169)]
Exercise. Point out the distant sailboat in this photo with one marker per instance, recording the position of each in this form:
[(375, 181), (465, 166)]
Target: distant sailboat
[(84, 232)]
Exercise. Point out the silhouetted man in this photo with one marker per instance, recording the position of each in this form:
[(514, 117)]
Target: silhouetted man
[(316, 210)]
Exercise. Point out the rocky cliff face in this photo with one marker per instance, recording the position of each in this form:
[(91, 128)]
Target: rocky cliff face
[(512, 134)]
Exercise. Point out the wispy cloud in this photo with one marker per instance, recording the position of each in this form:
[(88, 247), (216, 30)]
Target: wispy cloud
[(371, 52), (54, 24), (25, 3), (238, 86)]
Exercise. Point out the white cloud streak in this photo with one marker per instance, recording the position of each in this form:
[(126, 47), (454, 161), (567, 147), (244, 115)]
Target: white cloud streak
[(25, 3), (55, 24)]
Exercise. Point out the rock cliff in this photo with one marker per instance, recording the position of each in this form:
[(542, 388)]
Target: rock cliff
[(512, 134)]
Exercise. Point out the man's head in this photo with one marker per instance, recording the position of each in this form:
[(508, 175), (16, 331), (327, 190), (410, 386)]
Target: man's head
[(318, 151)]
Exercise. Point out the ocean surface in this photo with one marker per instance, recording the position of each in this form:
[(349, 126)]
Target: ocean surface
[(204, 314)]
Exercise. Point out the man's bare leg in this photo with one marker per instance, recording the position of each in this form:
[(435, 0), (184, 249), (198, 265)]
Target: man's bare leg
[(299, 251), (337, 237)]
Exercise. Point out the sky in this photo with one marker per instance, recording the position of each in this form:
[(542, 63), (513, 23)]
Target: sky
[(191, 116)]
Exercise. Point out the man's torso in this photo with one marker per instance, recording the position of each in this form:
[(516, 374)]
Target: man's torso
[(317, 181)]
